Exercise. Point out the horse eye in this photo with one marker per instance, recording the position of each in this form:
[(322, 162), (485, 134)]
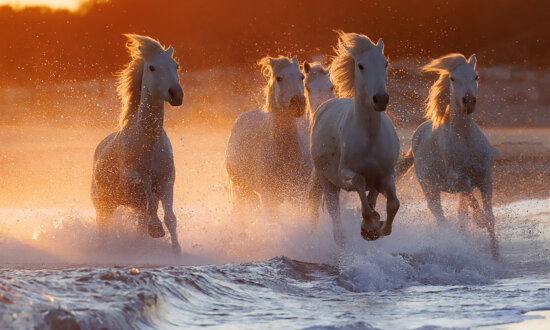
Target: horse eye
[(152, 68), (303, 77), (332, 88), (307, 89), (452, 79), (386, 64), (279, 79), (477, 77), (360, 66)]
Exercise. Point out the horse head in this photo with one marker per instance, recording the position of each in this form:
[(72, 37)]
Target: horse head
[(285, 89), (371, 76), (160, 75), (463, 85), (319, 88)]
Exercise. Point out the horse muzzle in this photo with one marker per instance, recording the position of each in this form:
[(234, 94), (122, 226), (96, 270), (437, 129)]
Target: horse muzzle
[(381, 101), (175, 96), (298, 105), (469, 103)]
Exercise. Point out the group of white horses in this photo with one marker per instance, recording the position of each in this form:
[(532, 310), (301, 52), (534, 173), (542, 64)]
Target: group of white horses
[(305, 145)]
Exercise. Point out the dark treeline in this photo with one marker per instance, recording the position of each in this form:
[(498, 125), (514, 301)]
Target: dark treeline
[(39, 44)]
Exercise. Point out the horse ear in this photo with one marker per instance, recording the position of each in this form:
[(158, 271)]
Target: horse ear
[(295, 60), (307, 67), (170, 50), (472, 61), (380, 45)]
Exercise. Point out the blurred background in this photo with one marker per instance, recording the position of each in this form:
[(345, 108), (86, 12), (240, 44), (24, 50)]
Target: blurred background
[(57, 61)]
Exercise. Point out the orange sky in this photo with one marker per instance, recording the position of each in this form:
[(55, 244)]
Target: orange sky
[(55, 4)]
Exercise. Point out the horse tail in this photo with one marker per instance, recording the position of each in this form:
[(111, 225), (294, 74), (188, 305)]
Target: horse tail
[(315, 196), (404, 165)]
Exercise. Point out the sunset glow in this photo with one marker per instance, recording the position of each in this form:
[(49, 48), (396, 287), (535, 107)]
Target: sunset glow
[(54, 4)]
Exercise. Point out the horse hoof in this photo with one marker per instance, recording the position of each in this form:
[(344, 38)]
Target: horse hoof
[(176, 248), (386, 230), (156, 230), (369, 234)]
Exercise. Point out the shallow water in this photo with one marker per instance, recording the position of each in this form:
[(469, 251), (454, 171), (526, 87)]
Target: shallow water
[(273, 272)]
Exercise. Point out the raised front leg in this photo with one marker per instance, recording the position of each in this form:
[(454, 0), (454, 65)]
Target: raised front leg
[(170, 219), (392, 205), (487, 200), (370, 227)]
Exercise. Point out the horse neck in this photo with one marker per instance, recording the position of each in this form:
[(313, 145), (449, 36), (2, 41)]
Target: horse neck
[(150, 114), (283, 130), (365, 114), (460, 123)]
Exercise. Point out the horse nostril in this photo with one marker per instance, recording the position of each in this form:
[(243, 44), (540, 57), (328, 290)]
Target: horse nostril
[(381, 99), (171, 92), (469, 100), (297, 100)]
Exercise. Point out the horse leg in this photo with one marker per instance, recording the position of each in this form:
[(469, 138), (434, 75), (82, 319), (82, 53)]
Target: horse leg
[(314, 197), (154, 226), (372, 197), (332, 198), (103, 215), (462, 213), (487, 200), (433, 198), (170, 219), (478, 214), (145, 204), (392, 205), (243, 195), (103, 208)]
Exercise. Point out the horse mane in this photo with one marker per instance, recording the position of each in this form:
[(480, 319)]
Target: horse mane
[(342, 69), (437, 103), (128, 85), (268, 66)]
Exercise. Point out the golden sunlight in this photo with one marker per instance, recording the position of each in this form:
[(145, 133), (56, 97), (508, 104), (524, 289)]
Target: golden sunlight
[(54, 4)]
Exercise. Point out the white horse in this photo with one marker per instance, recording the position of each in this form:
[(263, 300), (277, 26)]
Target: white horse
[(449, 151), (354, 145), (266, 154), (134, 166), (318, 89)]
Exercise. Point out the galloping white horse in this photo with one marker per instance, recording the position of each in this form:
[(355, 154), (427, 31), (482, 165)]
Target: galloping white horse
[(449, 151), (266, 154), (319, 89), (134, 166), (354, 145)]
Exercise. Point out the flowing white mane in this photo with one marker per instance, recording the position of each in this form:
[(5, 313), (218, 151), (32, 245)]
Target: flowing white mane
[(128, 85), (342, 69), (269, 66), (437, 103)]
